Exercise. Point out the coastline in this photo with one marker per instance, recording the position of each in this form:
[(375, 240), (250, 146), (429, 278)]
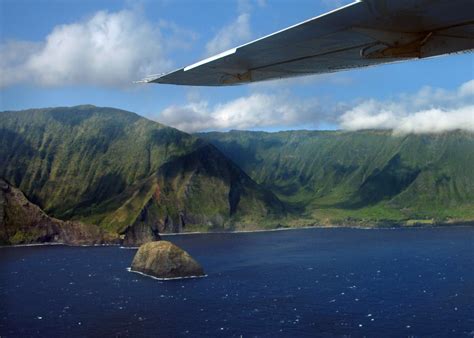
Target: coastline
[(467, 224), (443, 225)]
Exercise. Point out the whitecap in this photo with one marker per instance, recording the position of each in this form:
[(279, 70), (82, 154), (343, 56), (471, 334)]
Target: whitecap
[(164, 279)]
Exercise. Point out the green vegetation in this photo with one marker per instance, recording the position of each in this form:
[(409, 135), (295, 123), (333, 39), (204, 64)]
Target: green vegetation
[(360, 178), (128, 174), (118, 170)]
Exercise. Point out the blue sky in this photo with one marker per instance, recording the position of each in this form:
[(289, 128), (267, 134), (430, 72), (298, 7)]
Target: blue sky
[(55, 53)]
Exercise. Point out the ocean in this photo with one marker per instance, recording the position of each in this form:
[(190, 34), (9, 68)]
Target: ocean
[(298, 283)]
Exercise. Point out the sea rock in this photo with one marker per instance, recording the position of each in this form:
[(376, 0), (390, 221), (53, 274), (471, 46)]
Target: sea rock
[(163, 259)]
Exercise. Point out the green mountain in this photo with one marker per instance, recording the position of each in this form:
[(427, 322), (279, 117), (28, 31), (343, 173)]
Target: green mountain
[(137, 178), (22, 222), (126, 174), (365, 177)]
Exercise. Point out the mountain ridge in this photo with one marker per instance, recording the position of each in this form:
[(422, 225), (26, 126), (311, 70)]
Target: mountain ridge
[(366, 177), (103, 166), (137, 178)]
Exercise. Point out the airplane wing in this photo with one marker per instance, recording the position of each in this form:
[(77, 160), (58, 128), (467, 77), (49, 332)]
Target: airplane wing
[(361, 34)]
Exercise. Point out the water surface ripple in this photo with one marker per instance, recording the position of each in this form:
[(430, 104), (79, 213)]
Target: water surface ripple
[(314, 282)]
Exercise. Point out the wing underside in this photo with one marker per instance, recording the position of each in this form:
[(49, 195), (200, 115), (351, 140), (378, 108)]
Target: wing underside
[(364, 33)]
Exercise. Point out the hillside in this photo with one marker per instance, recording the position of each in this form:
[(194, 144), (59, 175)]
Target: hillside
[(138, 178), (125, 173), (22, 222), (366, 177)]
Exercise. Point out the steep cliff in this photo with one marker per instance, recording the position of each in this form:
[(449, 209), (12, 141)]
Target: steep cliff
[(22, 222), (127, 174)]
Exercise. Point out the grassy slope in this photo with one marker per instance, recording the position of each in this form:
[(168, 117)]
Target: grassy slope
[(361, 177), (106, 166), (22, 222)]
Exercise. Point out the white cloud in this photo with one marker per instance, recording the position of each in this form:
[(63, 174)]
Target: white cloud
[(177, 37), (428, 111), (236, 32), (254, 111), (13, 56), (230, 36), (467, 89), (109, 48)]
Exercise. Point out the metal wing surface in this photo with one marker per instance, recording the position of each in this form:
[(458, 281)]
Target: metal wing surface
[(364, 33)]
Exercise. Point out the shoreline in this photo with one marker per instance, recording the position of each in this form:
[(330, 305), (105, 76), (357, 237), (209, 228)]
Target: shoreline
[(441, 226), (355, 227)]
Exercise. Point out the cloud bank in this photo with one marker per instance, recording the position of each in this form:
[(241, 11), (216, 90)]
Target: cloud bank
[(256, 111), (109, 48), (428, 111)]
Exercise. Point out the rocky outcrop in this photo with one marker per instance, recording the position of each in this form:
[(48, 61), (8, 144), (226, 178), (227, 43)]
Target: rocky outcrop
[(22, 222), (163, 259), (78, 233)]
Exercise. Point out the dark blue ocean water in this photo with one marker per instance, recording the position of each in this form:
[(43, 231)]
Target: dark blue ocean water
[(316, 282)]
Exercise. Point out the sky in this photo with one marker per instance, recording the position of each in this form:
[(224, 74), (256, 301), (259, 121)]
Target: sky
[(72, 52)]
